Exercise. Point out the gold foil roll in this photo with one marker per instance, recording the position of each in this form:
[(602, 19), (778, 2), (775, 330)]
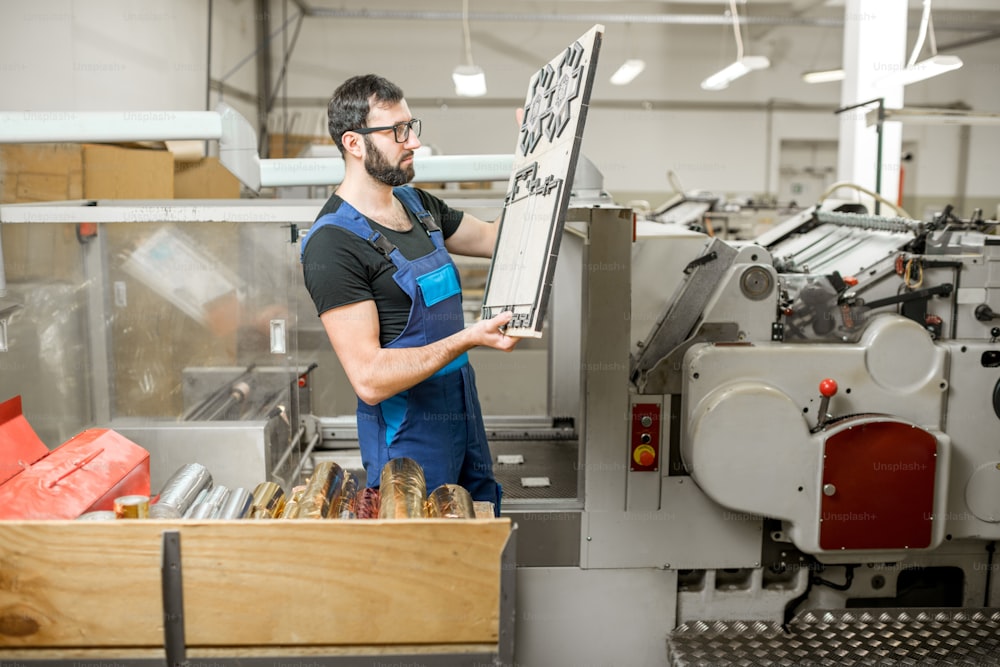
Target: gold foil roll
[(292, 507), (402, 490), (450, 501), (326, 482), (484, 509), (344, 505), (268, 501), (132, 507), (292, 510)]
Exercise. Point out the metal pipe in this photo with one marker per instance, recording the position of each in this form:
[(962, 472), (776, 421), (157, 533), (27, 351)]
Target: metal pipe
[(263, 63), (305, 455), (288, 451), (22, 127), (239, 393), (224, 390), (427, 169), (606, 18), (659, 19)]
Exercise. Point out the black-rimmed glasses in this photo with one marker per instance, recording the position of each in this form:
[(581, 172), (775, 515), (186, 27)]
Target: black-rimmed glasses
[(400, 130)]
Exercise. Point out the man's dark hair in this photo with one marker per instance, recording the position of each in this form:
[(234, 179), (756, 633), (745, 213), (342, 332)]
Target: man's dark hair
[(349, 106)]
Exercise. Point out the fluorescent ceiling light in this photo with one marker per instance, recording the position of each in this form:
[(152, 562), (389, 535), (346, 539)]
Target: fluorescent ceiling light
[(630, 69), (925, 69), (470, 81), (823, 76), (721, 79)]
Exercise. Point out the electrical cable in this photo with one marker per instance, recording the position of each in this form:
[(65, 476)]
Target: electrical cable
[(908, 273), (465, 31), (848, 579), (921, 34), (845, 184), (736, 30)]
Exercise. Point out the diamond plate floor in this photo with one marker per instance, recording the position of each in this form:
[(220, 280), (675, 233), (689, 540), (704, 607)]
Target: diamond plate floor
[(555, 459), (883, 637)]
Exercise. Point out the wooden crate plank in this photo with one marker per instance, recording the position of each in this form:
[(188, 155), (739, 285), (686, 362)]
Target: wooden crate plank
[(253, 583), (197, 653)]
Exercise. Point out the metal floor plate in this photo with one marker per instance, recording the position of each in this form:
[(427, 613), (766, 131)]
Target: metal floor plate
[(919, 637), (556, 460)]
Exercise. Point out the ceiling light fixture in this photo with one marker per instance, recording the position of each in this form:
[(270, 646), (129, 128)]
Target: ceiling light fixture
[(743, 64), (823, 76), (914, 71), (630, 69), (925, 69), (469, 79)]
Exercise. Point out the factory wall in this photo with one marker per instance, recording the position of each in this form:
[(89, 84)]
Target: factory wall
[(153, 55)]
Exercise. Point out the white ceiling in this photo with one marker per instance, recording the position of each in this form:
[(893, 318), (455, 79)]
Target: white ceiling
[(964, 14), (681, 42)]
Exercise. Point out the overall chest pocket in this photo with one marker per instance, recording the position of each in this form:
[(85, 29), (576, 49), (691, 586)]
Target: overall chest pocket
[(439, 284)]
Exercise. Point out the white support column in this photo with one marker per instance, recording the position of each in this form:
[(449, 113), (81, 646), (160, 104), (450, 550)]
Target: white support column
[(874, 45)]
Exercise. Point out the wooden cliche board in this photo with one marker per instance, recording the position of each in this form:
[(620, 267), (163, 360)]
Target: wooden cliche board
[(534, 210)]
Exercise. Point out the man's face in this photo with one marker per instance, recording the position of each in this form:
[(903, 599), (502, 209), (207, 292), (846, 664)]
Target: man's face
[(386, 160), (377, 164)]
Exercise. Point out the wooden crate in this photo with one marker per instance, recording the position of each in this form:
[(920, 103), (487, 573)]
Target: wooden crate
[(274, 585)]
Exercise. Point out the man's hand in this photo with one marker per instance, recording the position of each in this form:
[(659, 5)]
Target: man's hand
[(487, 333)]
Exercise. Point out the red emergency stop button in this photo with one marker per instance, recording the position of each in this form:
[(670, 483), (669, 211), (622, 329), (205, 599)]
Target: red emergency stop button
[(644, 455), (644, 437)]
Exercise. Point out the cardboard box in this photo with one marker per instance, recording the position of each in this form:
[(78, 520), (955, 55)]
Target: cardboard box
[(60, 172), (204, 179), (292, 145), (40, 172), (113, 172)]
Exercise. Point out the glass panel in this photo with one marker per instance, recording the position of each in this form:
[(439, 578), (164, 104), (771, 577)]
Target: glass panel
[(180, 336)]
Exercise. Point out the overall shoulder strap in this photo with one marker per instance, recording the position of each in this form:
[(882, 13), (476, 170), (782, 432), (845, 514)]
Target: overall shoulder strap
[(347, 217), (411, 200)]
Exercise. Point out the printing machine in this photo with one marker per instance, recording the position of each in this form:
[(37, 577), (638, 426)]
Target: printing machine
[(787, 447), (818, 407)]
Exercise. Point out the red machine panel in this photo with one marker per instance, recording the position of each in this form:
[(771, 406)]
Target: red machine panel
[(644, 450), (20, 446), (878, 486), (85, 473)]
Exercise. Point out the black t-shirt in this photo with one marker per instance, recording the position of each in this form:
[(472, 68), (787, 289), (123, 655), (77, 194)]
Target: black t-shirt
[(341, 268)]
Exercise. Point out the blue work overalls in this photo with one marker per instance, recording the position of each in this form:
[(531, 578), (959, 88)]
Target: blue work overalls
[(438, 422)]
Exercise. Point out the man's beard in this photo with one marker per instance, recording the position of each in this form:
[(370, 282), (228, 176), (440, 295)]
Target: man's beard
[(379, 168)]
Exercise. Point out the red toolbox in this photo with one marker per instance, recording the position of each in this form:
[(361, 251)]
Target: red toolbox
[(85, 473)]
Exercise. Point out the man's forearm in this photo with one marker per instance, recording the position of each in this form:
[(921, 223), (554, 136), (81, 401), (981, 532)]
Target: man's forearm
[(397, 369)]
